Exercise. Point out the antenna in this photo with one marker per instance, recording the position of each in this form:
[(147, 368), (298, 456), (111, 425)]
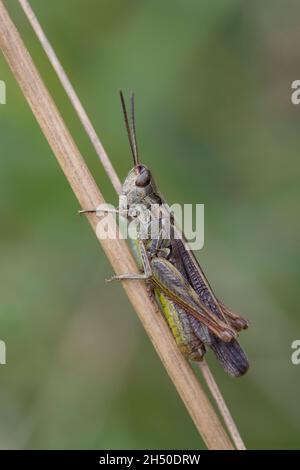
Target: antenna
[(133, 128), (130, 129)]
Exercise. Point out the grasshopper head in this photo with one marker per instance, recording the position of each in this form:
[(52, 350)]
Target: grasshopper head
[(138, 185)]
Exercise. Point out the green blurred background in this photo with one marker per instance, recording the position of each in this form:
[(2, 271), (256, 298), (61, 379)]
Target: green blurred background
[(216, 125)]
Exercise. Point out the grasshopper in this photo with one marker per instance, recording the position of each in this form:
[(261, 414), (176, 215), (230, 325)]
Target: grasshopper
[(196, 317)]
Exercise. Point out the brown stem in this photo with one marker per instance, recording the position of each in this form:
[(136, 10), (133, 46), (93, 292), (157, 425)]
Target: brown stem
[(221, 404)]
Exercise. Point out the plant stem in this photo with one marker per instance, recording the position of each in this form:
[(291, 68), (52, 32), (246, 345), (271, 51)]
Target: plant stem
[(221, 404)]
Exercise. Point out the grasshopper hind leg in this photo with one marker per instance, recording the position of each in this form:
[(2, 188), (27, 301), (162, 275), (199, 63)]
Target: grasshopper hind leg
[(179, 323)]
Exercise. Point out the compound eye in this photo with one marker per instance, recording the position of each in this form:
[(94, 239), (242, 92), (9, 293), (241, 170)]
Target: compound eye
[(143, 179)]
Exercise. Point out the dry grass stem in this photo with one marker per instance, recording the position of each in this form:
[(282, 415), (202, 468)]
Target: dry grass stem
[(221, 404)]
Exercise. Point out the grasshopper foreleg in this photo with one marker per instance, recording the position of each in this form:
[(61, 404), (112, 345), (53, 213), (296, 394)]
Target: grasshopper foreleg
[(102, 211)]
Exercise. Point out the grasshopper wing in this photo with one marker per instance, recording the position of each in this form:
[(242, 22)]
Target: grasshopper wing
[(229, 354)]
